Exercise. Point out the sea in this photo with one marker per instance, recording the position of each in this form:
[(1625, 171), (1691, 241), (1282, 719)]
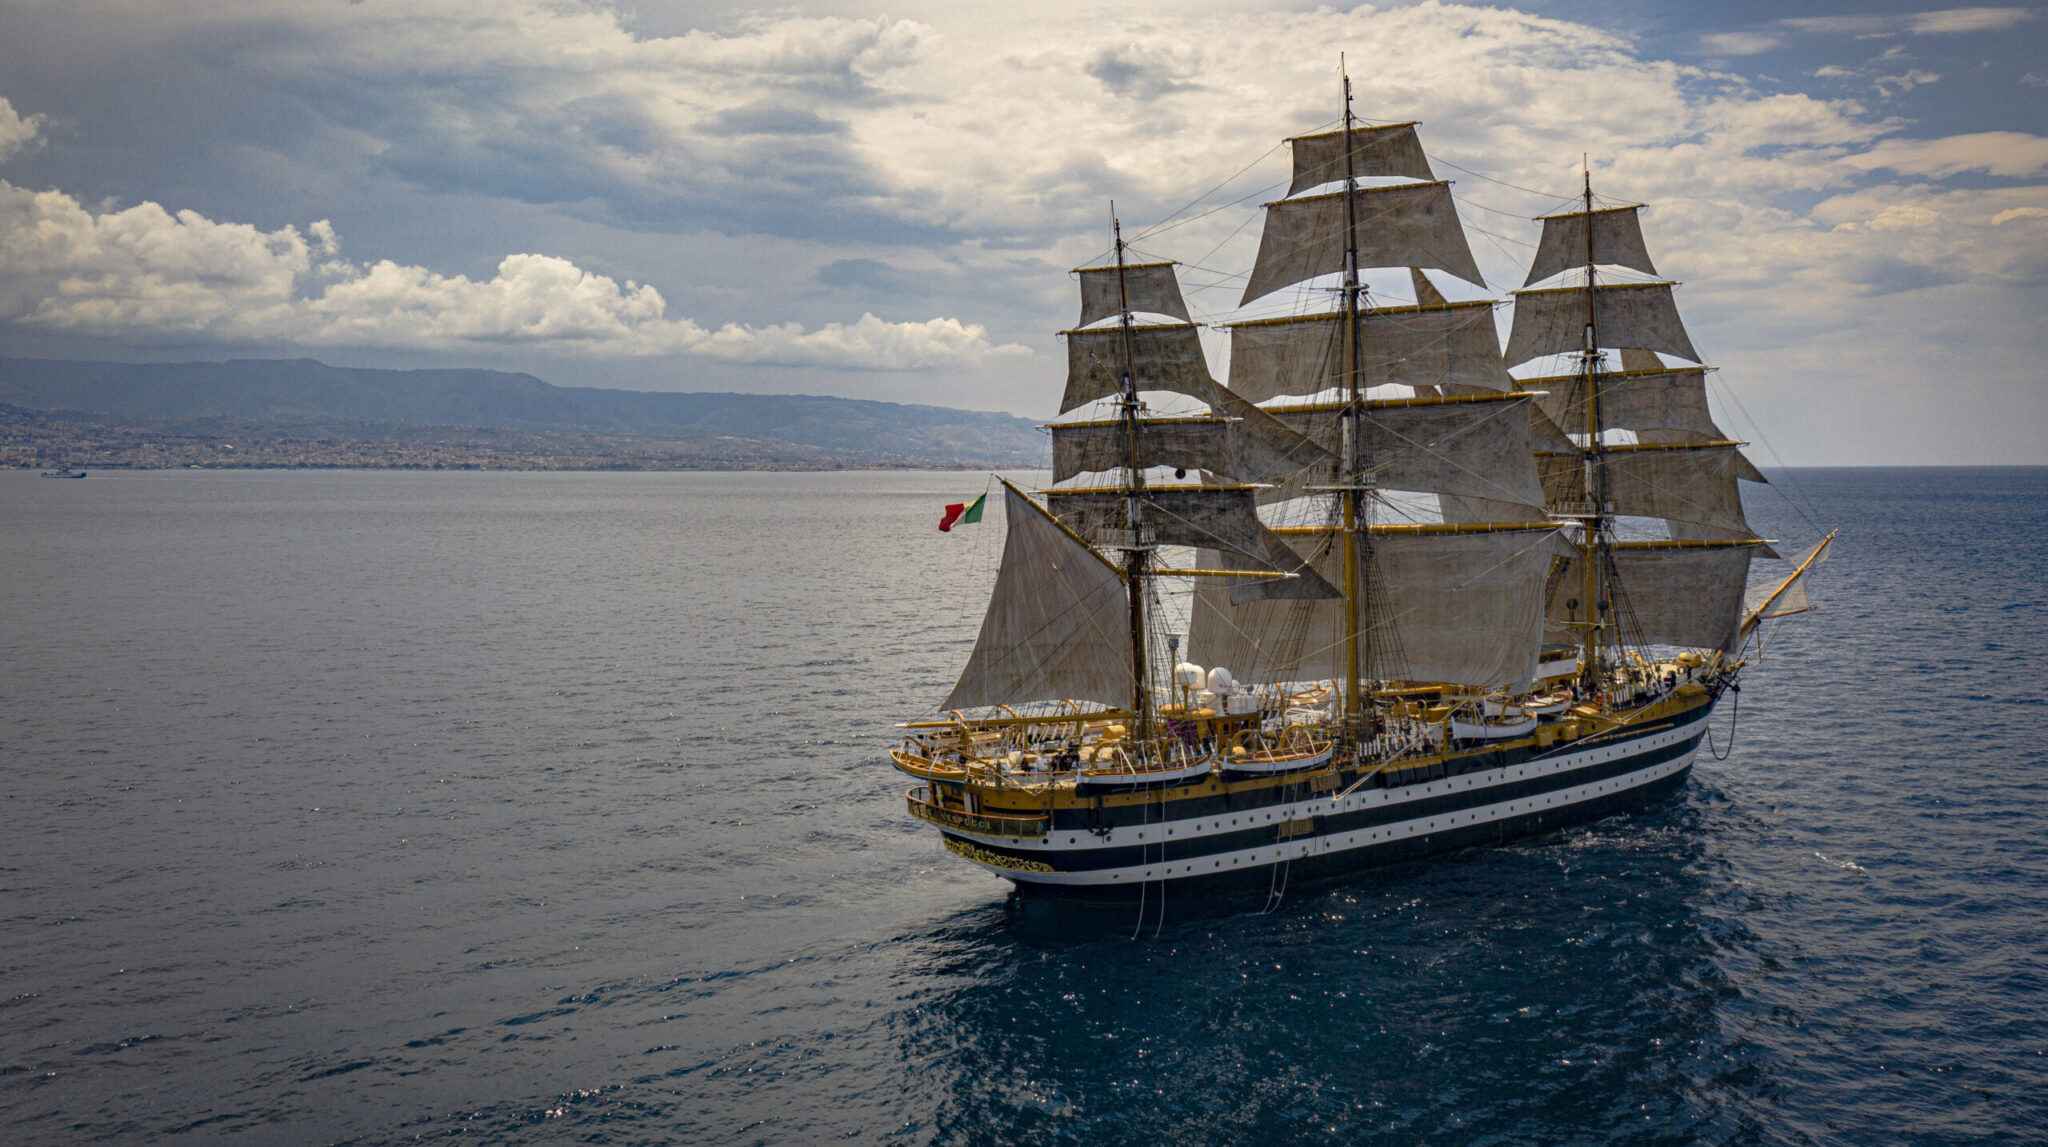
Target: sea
[(526, 808)]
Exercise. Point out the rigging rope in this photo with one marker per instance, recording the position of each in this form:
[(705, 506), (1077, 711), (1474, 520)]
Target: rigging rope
[(1734, 714)]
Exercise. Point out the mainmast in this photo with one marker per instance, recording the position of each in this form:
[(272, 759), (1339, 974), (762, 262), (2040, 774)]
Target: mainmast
[(1138, 553), (1353, 473), (1592, 556)]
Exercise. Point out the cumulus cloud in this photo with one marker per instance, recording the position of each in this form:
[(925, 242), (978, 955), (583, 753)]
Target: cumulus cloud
[(146, 272), (983, 153), (17, 132), (562, 104)]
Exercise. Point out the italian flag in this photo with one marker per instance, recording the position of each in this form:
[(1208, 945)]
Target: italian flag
[(961, 513)]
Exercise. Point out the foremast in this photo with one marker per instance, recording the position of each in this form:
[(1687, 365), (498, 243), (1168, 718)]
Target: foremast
[(1595, 528)]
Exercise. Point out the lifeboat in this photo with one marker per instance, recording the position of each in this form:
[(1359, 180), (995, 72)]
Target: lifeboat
[(1497, 729), (1303, 752), (1114, 767)]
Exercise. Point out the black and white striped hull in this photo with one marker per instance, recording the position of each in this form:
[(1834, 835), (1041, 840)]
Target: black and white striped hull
[(1198, 846)]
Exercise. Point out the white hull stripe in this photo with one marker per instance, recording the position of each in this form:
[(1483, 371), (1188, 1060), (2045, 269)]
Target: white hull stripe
[(1067, 841), (1217, 863)]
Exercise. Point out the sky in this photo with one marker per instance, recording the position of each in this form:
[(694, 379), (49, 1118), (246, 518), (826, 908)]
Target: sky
[(827, 198)]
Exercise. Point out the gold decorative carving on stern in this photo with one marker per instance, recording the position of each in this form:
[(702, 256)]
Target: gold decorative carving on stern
[(975, 852)]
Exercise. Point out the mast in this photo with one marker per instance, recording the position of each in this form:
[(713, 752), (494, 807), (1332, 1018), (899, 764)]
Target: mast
[(1593, 538), (1353, 439), (1135, 557)]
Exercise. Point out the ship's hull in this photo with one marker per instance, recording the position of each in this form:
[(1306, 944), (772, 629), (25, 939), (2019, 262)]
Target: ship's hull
[(1289, 837)]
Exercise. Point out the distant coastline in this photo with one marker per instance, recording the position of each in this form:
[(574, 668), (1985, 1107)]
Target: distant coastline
[(303, 414)]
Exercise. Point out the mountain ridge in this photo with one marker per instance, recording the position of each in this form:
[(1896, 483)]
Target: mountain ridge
[(311, 396)]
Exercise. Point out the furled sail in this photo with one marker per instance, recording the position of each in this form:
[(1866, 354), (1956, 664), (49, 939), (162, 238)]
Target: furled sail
[(1453, 343), (1055, 627), (1694, 532), (1691, 483), (1412, 225), (1670, 593), (1552, 320), (1163, 357), (1150, 288), (1478, 448), (1384, 150), (1617, 240), (1463, 608)]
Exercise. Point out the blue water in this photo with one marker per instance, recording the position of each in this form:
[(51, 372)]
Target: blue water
[(521, 808)]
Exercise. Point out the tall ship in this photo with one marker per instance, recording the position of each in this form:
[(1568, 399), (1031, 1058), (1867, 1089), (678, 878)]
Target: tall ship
[(1379, 596)]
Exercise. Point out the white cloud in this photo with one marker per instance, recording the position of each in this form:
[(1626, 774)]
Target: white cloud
[(1862, 27), (1956, 20), (1904, 82), (17, 132), (1947, 21), (144, 272), (980, 152), (1738, 43), (2003, 153)]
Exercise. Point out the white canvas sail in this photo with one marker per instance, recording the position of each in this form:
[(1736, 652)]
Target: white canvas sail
[(1162, 357), (1433, 345), (1413, 225), (1667, 593), (1617, 240), (1148, 288), (1055, 627), (1552, 320), (1382, 150), (1464, 608)]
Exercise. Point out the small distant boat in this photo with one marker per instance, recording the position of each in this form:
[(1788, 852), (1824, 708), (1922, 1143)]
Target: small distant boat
[(66, 472)]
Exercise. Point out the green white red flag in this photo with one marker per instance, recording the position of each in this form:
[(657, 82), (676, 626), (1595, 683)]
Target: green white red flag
[(961, 513)]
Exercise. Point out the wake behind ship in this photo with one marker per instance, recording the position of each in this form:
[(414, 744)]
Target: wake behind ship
[(1377, 598)]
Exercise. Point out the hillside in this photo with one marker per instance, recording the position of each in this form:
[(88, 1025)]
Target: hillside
[(308, 401)]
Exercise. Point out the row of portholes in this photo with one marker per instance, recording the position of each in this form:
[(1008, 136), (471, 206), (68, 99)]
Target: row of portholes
[(1331, 845)]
